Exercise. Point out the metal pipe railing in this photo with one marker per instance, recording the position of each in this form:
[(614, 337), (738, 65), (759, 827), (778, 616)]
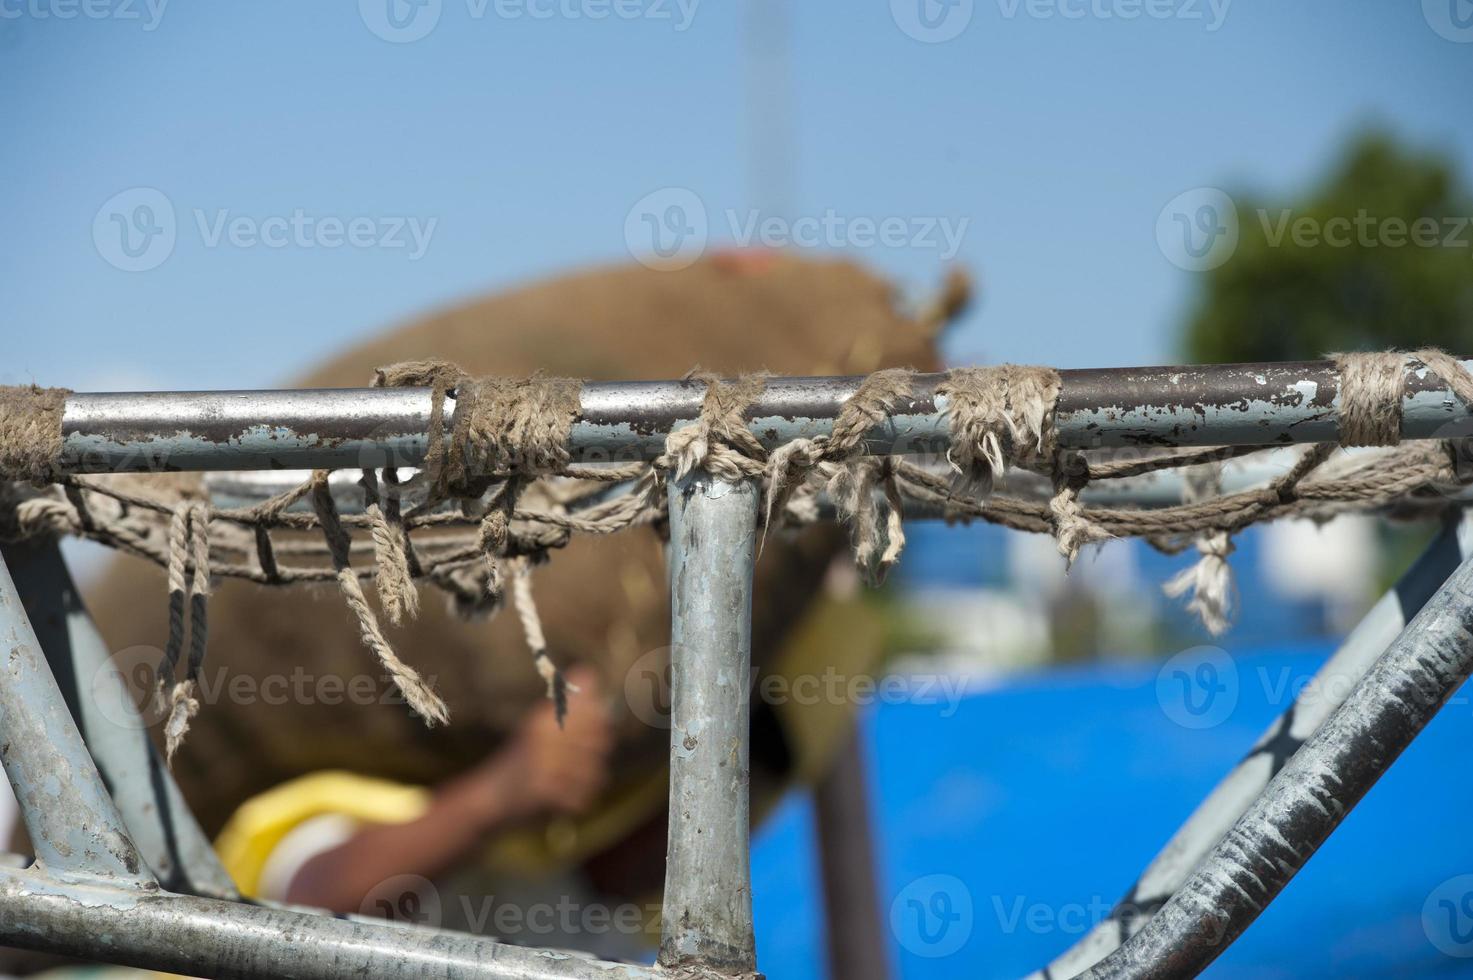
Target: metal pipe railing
[(1230, 404), (72, 821), (1310, 796), (204, 937), (91, 894), (1216, 814), (707, 918), (154, 813)]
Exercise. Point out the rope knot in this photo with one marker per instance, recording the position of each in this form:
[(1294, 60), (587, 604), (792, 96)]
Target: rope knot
[(30, 432), (513, 426), (1210, 580), (1373, 385), (872, 403), (788, 470), (500, 426), (40, 515), (999, 416), (1072, 529), (719, 440)]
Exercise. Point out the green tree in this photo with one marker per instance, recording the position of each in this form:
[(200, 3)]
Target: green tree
[(1347, 268)]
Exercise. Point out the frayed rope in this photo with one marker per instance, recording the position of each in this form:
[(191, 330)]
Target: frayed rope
[(189, 548), (512, 432), (419, 695)]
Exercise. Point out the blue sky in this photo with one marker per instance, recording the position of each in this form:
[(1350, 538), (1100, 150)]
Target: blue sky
[(519, 144)]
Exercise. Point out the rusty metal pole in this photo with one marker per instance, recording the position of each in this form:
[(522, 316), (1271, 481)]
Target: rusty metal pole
[(1209, 405), (856, 930)]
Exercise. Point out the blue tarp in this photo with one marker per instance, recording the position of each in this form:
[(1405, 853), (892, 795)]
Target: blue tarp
[(1039, 802)]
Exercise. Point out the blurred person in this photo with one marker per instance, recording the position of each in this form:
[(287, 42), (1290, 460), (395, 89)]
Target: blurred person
[(323, 800), (335, 860)]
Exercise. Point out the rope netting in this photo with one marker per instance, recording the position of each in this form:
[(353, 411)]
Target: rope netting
[(498, 492)]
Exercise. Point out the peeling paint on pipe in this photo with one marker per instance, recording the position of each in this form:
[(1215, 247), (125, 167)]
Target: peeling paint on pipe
[(1234, 404), (1228, 404), (71, 820), (153, 810)]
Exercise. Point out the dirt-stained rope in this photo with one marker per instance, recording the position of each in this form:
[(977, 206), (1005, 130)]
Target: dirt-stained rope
[(500, 426), (396, 592), (189, 550), (852, 478), (526, 605), (501, 455), (719, 440), (30, 432), (1371, 386), (1000, 416), (1210, 579), (420, 696)]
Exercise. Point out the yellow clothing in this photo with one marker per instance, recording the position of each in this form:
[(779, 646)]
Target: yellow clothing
[(263, 821)]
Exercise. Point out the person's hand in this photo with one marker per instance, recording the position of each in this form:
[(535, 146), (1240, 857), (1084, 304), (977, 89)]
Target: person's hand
[(547, 769), (543, 769)]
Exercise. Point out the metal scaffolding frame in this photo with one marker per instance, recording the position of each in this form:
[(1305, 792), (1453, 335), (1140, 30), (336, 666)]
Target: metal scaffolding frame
[(122, 872)]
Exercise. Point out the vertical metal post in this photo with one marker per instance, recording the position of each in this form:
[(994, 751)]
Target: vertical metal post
[(73, 823), (851, 897), (707, 915), (159, 821)]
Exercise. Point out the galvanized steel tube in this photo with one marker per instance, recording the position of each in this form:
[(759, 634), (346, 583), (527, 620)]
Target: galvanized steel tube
[(1310, 796), (206, 937), (72, 822), (1231, 404), (707, 914), (1313, 703), (96, 690)]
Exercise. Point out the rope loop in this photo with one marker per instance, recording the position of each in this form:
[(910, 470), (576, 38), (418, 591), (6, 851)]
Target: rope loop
[(502, 454)]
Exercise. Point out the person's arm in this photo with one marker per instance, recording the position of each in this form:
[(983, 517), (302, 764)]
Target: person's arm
[(542, 769)]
